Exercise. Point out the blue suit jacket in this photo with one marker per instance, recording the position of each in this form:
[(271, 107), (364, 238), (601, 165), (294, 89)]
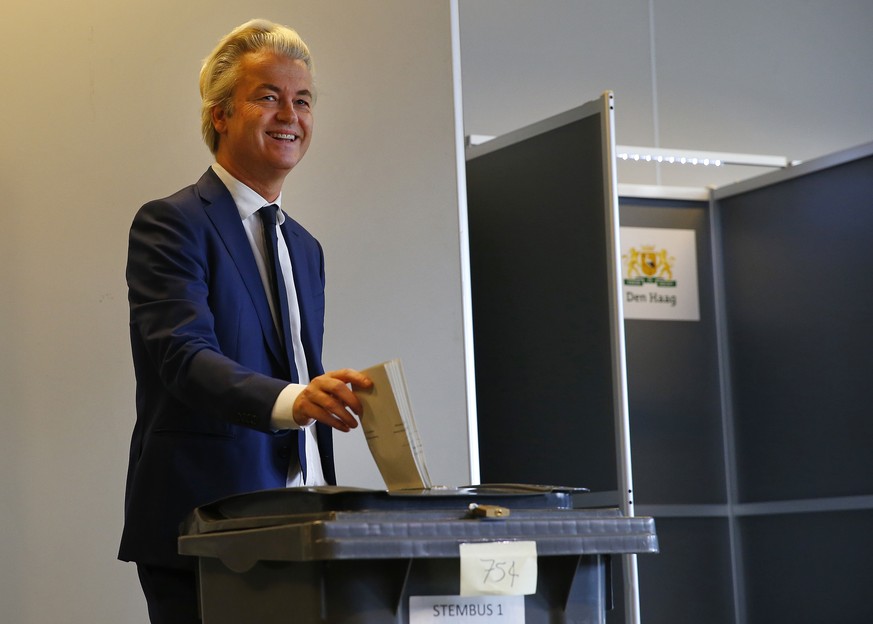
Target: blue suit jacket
[(208, 363)]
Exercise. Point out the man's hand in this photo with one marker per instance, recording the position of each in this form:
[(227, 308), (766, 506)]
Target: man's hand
[(329, 399)]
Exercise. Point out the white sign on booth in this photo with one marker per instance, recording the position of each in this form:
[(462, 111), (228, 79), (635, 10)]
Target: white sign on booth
[(659, 274)]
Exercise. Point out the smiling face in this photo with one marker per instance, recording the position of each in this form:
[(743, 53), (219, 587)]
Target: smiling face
[(270, 124)]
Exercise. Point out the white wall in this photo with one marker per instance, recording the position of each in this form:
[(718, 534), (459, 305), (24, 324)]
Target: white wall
[(99, 114), (785, 77)]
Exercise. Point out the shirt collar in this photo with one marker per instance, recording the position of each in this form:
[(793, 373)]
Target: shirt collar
[(247, 201)]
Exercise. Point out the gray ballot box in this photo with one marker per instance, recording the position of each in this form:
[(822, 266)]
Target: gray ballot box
[(345, 555)]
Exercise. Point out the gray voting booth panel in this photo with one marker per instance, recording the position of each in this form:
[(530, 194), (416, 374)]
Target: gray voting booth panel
[(541, 300), (296, 555)]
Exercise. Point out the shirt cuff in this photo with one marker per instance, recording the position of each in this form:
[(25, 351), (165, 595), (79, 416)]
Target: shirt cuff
[(282, 416)]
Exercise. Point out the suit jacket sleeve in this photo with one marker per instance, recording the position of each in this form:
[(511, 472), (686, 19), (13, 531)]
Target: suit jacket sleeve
[(185, 301)]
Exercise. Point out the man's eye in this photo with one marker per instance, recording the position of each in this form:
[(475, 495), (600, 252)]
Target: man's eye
[(304, 103), (269, 98)]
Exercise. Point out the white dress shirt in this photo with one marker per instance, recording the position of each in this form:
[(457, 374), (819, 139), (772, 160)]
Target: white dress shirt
[(248, 202)]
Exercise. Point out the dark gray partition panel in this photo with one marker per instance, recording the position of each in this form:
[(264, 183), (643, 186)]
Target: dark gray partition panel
[(808, 568), (673, 379), (690, 580), (677, 439), (798, 289), (541, 310)]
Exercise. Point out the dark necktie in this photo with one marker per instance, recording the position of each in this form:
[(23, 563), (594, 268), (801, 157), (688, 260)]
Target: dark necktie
[(268, 215)]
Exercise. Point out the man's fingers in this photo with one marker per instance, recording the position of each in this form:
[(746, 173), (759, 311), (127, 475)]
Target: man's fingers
[(328, 399), (337, 385), (350, 376), (329, 413)]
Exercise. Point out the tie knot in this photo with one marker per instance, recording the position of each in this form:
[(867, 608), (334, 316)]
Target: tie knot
[(269, 214)]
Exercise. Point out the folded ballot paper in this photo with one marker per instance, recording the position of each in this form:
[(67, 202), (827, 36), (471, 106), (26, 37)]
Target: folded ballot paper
[(390, 428)]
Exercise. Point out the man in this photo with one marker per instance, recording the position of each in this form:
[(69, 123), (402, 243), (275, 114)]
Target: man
[(227, 318)]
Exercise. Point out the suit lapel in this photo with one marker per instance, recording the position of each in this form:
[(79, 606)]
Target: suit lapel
[(222, 211)]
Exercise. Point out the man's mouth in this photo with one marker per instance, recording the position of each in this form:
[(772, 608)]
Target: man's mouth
[(283, 136)]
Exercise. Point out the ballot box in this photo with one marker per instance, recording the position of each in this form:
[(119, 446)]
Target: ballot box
[(492, 553)]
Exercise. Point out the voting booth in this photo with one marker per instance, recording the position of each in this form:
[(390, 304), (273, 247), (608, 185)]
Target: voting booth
[(484, 553)]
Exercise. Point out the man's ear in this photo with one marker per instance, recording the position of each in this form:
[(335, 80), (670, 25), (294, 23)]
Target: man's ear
[(219, 119)]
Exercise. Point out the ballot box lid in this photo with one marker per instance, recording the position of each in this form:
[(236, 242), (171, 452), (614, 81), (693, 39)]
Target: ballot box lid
[(327, 523), (274, 506)]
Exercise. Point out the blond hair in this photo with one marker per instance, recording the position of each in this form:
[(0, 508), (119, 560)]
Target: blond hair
[(220, 72)]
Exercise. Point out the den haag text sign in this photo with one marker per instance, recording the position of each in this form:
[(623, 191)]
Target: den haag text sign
[(659, 274)]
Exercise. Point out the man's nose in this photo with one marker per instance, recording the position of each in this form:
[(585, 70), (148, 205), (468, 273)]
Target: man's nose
[(287, 112)]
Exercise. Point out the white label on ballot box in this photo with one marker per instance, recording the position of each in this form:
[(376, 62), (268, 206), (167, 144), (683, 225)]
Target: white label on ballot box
[(498, 568), (466, 609)]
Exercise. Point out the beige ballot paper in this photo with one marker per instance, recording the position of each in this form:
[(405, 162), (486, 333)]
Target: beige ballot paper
[(390, 428)]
